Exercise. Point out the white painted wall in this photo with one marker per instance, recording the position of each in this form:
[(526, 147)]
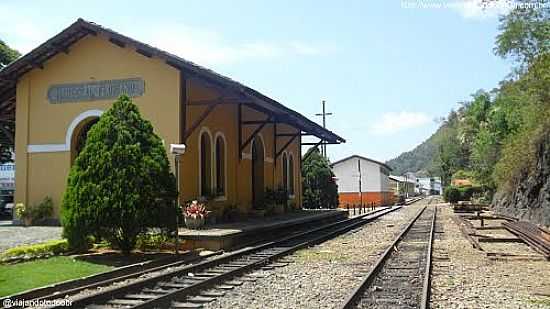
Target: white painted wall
[(372, 180)]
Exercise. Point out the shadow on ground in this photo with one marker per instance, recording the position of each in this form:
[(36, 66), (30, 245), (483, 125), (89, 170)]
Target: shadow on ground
[(117, 259)]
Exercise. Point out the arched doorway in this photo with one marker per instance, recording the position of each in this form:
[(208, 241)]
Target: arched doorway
[(257, 173), (80, 135)]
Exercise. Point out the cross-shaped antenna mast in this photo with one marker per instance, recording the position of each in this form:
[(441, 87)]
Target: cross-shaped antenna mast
[(324, 114)]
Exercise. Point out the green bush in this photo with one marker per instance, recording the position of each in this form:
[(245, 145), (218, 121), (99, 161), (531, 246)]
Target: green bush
[(120, 184), (37, 213), (42, 211), (451, 194), (52, 247), (466, 193), (148, 242), (319, 187)]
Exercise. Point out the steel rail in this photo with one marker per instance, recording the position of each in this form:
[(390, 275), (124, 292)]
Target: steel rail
[(356, 294), (164, 300), (426, 287), (73, 286)]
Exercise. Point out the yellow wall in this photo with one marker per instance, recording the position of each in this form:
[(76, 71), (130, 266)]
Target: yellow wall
[(39, 122), (224, 119)]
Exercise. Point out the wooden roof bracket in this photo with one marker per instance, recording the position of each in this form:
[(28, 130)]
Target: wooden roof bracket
[(269, 119), (201, 118), (319, 143), (286, 145)]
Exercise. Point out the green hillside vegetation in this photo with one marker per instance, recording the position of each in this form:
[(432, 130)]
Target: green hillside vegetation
[(419, 160), (494, 137)]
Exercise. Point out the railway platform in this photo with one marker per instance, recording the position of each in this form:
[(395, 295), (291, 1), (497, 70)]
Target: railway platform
[(234, 235)]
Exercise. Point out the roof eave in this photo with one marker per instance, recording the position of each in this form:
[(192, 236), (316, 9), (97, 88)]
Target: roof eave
[(33, 58)]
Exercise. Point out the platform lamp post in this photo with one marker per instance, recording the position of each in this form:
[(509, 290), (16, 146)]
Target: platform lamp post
[(177, 150)]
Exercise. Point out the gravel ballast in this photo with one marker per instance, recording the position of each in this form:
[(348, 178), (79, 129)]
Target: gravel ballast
[(464, 277), (321, 276)]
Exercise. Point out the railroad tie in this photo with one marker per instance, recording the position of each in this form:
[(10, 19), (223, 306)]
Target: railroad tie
[(158, 291), (140, 296), (172, 285), (183, 305), (200, 299), (213, 293), (125, 302), (234, 282)]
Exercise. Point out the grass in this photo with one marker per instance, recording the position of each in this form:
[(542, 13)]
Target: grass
[(24, 276)]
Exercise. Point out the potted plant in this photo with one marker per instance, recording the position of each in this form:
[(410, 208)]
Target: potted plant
[(194, 215)]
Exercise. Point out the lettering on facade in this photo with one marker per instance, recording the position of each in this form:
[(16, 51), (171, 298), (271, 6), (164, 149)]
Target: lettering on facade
[(100, 90)]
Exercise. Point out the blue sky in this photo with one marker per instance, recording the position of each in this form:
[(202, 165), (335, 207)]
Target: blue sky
[(387, 69)]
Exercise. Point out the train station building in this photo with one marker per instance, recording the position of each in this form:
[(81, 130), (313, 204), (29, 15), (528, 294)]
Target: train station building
[(239, 141)]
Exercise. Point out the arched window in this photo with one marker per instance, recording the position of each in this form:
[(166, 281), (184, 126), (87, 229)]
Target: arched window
[(285, 172), (206, 165), (220, 166), (258, 158), (80, 136), (290, 175)]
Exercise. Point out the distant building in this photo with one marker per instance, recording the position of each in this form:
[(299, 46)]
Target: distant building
[(401, 185), (362, 181), (429, 185), (461, 182), (7, 176)]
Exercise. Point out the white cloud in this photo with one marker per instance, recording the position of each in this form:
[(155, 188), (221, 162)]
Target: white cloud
[(393, 122), (21, 32), (478, 9), (207, 47)]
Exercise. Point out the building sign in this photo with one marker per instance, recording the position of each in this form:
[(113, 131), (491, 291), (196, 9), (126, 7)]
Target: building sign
[(91, 91), (7, 176)]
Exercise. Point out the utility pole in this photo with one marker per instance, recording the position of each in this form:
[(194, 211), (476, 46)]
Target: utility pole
[(360, 187), (324, 114)]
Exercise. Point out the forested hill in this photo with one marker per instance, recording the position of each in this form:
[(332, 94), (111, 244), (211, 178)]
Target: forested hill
[(419, 160), (500, 140)]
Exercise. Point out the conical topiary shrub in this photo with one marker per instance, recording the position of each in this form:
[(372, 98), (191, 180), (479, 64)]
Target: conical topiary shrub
[(120, 184)]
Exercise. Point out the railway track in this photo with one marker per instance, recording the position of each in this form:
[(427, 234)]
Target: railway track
[(192, 286), (123, 274), (401, 276)]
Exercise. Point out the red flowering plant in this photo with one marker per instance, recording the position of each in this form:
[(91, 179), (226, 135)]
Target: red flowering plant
[(195, 210)]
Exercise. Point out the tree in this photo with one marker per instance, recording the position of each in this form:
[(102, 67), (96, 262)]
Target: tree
[(120, 183), (524, 33), (319, 189), (5, 149), (7, 55)]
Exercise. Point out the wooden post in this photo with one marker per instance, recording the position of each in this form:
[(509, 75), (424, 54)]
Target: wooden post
[(240, 133), (184, 100)]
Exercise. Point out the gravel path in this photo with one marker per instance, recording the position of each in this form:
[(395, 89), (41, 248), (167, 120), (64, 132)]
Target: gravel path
[(321, 276), (464, 277), (12, 236)]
